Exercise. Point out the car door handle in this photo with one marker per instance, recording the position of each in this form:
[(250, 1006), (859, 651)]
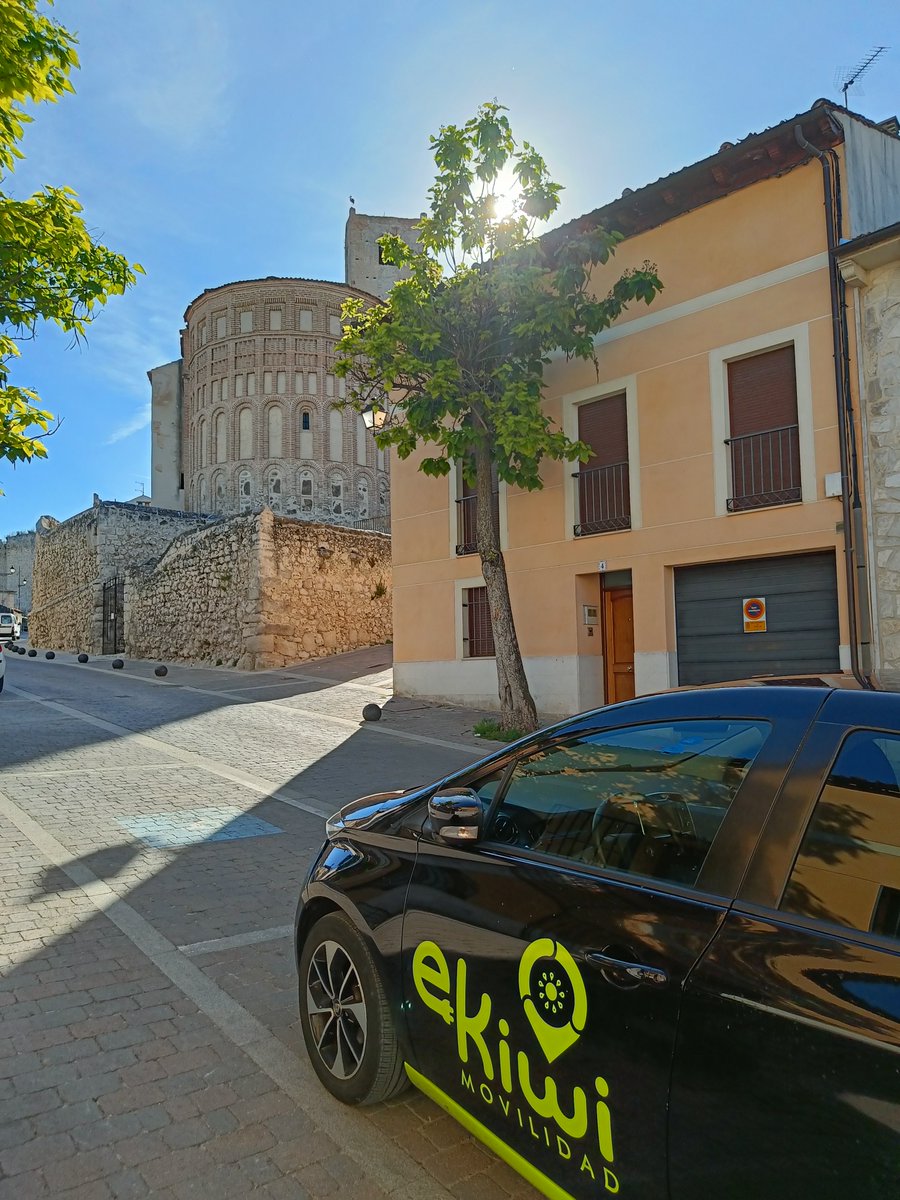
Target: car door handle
[(623, 973)]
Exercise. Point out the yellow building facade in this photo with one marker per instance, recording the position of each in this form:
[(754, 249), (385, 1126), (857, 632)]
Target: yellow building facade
[(720, 406)]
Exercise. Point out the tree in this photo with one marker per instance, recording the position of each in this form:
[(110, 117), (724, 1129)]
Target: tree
[(453, 361), (51, 269)]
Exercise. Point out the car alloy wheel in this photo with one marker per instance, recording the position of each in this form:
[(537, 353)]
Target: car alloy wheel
[(337, 1009), (345, 1016)]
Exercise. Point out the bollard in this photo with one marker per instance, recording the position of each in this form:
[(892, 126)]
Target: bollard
[(50, 654), (161, 670), (82, 658), (32, 653), (118, 664), (371, 712)]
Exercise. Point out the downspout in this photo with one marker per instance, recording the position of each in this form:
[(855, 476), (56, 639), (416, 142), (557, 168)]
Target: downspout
[(850, 499)]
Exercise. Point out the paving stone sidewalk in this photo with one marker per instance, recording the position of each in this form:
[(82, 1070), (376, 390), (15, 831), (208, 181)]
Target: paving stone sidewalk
[(147, 1048)]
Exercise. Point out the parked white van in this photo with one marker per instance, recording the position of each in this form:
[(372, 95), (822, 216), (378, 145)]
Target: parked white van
[(8, 627)]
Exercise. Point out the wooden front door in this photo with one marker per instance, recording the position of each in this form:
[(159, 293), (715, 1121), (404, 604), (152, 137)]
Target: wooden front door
[(618, 644)]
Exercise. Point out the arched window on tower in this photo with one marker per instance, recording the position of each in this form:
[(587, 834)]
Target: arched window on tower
[(384, 496), (362, 441), (336, 435), (275, 492), (275, 426), (245, 433), (203, 432), (307, 492), (203, 505), (336, 495), (245, 491), (306, 437), (219, 492), (362, 499), (220, 438)]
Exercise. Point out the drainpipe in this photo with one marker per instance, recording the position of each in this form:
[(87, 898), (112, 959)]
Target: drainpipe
[(851, 504)]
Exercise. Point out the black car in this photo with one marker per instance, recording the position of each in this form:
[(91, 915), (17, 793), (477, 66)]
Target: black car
[(651, 951)]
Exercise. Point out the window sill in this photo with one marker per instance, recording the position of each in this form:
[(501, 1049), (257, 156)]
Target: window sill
[(592, 528)]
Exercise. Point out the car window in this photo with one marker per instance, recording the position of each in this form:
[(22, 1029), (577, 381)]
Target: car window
[(848, 868), (648, 800)]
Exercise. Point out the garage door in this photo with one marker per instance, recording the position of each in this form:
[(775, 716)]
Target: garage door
[(802, 618)]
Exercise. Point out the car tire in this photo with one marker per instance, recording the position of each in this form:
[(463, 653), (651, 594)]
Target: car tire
[(2, 681), (354, 1050)]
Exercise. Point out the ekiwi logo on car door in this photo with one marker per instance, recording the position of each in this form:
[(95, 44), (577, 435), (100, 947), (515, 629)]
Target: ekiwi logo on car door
[(523, 1083)]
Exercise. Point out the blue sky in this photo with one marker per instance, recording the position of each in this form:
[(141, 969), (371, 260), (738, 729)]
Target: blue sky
[(214, 140)]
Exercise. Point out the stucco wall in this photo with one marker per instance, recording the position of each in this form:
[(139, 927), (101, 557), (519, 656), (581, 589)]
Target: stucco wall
[(259, 591)]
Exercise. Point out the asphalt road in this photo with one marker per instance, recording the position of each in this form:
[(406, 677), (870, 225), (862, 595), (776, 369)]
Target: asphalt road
[(153, 835)]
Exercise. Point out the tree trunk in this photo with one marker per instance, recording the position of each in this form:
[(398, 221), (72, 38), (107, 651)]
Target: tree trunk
[(517, 710)]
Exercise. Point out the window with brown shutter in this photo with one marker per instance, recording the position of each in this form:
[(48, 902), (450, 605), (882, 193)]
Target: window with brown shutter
[(604, 496), (478, 640), (764, 445)]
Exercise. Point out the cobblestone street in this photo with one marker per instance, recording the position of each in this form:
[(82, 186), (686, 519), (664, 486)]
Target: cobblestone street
[(153, 837)]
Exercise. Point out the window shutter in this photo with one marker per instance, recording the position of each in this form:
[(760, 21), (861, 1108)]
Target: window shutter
[(479, 639), (762, 392), (603, 425)]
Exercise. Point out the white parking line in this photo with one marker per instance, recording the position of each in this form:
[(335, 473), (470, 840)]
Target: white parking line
[(236, 940)]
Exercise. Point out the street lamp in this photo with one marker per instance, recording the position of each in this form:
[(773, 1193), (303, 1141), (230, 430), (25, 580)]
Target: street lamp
[(379, 414)]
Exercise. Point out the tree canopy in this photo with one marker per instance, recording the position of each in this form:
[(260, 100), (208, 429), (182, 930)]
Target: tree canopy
[(51, 269), (454, 360)]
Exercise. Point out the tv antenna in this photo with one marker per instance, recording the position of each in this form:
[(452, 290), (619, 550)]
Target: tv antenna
[(847, 78)]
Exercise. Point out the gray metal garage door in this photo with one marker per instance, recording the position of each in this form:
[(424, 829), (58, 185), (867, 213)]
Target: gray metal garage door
[(802, 618)]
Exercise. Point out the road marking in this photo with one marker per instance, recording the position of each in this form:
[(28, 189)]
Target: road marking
[(346, 722), (276, 933), (265, 787), (382, 1161)]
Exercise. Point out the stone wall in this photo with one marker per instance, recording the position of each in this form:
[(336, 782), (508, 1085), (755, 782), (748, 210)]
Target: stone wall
[(323, 590), (66, 570), (258, 591), (17, 568), (881, 400), (200, 601), (74, 558)]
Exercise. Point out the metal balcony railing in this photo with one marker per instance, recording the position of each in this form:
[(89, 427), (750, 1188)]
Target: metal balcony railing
[(380, 524), (765, 468), (604, 499), (465, 525)]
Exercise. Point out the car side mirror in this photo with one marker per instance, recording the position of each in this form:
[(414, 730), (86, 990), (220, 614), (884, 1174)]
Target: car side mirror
[(457, 815)]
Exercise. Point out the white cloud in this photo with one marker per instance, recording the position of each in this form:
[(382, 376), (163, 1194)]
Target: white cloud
[(140, 420)]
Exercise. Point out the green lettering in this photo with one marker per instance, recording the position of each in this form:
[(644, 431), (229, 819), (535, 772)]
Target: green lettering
[(586, 1166), (548, 1104), (472, 1026), (430, 970), (604, 1121), (467, 1082), (609, 1181)]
